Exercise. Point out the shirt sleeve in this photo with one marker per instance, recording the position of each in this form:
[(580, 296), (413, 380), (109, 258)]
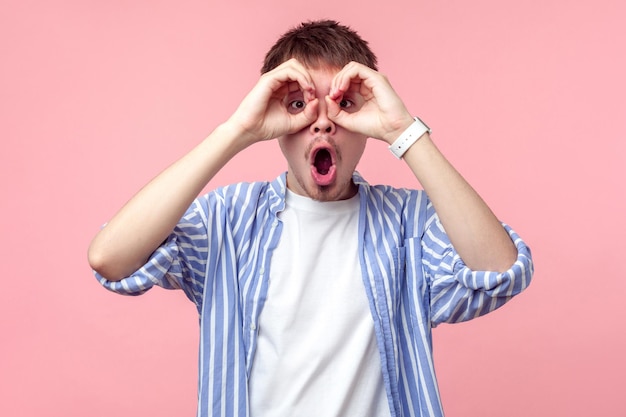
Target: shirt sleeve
[(179, 263), (458, 293)]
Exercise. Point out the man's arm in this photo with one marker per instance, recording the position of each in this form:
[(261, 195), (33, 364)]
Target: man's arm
[(136, 231), (473, 229), (129, 238)]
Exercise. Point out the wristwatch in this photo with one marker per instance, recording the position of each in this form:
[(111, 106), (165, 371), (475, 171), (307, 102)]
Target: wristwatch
[(408, 137)]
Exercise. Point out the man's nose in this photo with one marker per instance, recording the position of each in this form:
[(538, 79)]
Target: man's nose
[(322, 123)]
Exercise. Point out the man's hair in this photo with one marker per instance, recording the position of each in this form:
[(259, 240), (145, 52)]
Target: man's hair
[(321, 43)]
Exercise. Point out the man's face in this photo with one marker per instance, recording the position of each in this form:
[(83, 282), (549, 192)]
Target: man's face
[(322, 157)]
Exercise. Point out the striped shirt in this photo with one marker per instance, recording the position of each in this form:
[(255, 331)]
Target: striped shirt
[(219, 254)]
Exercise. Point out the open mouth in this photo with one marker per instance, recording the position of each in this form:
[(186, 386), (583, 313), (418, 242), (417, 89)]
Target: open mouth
[(323, 169), (323, 161)]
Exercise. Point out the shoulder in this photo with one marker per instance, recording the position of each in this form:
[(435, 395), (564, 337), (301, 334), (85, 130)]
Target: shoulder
[(404, 208), (388, 194), (244, 195)]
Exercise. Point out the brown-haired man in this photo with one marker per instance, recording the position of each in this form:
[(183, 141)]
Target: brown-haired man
[(316, 291)]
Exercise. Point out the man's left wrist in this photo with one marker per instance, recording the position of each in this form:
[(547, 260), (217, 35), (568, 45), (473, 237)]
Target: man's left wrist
[(408, 137)]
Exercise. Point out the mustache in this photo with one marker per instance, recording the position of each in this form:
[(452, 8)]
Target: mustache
[(326, 142)]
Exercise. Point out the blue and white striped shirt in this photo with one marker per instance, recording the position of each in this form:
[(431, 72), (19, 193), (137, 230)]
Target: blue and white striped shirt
[(220, 254)]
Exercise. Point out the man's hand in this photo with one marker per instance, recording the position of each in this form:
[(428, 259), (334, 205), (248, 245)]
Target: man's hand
[(377, 110), (282, 102)]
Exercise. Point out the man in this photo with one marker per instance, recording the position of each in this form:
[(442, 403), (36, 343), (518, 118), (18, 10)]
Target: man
[(316, 292)]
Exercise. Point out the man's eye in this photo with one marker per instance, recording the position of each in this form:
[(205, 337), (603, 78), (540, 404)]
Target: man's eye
[(345, 104), (296, 106)]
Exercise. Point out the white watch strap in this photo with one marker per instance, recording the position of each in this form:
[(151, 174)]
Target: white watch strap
[(408, 138)]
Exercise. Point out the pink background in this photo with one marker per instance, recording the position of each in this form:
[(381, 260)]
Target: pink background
[(527, 99)]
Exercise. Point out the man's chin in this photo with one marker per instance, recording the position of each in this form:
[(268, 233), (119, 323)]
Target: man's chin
[(331, 192), (334, 191)]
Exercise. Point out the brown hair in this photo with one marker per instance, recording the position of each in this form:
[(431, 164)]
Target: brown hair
[(320, 43)]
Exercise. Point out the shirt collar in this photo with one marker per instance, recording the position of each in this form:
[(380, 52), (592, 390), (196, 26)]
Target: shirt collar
[(278, 188)]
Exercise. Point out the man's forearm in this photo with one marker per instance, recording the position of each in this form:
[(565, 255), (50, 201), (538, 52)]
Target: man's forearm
[(130, 237), (473, 229)]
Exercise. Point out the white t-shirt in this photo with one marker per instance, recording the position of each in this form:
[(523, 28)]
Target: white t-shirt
[(316, 350)]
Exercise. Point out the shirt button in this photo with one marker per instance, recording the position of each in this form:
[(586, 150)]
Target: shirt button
[(275, 223), (252, 326)]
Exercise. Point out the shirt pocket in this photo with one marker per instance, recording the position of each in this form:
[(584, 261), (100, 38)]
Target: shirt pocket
[(416, 292)]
